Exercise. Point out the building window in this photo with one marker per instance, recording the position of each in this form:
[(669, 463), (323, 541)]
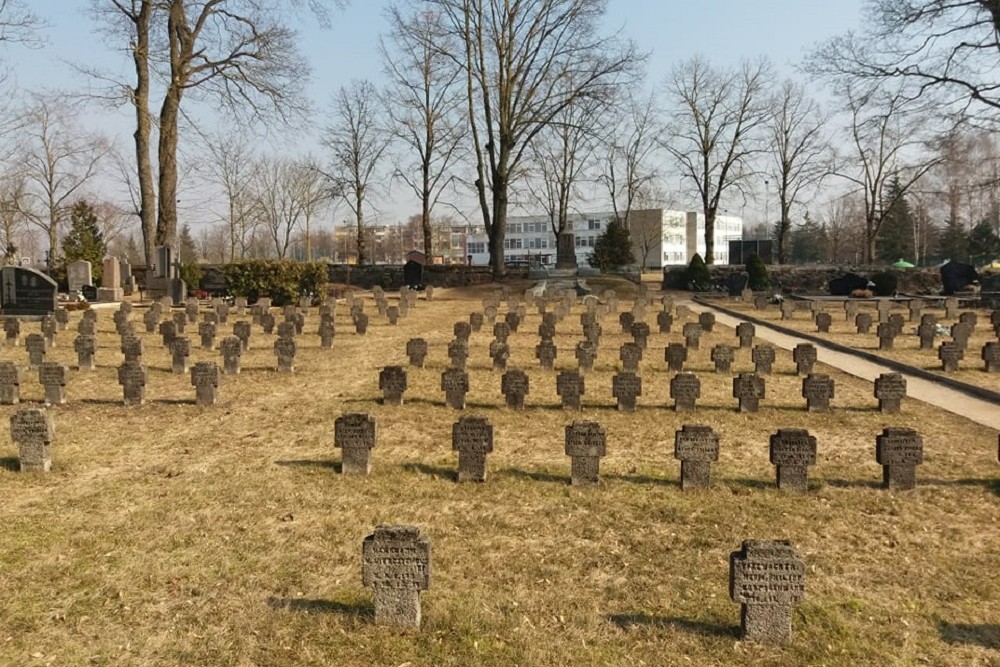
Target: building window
[(477, 247)]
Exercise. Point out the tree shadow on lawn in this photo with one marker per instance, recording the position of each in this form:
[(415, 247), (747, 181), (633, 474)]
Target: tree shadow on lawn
[(704, 628), (534, 476), (431, 471), (313, 606), (985, 635), (11, 463), (336, 466)]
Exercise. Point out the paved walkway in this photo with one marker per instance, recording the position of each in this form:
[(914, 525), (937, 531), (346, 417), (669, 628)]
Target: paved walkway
[(982, 412)]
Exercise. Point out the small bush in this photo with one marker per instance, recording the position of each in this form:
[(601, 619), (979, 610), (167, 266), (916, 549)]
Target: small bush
[(191, 275), (698, 277), (757, 272), (885, 283), (284, 281)]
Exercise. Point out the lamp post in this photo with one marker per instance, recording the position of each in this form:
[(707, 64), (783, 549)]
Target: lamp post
[(767, 207)]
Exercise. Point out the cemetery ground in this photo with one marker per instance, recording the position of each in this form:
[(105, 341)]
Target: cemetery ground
[(173, 534)]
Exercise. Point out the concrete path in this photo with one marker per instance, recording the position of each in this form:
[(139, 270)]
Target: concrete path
[(979, 411)]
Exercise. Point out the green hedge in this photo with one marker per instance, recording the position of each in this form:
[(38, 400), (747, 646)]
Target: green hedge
[(699, 279), (282, 280)]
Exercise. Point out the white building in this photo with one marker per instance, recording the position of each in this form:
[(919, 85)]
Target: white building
[(659, 237)]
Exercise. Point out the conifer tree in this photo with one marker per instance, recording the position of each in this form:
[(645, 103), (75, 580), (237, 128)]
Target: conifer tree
[(84, 239)]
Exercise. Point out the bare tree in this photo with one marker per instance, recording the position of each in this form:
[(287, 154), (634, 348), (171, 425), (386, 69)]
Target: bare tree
[(517, 58), (313, 193), (18, 23), (945, 48), (630, 172), (887, 143), (234, 168), (280, 207), (12, 220), (424, 104), (357, 144), (799, 154), (715, 130), (58, 160)]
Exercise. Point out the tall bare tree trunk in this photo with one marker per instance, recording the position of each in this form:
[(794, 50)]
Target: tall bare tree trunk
[(166, 222), (143, 128)]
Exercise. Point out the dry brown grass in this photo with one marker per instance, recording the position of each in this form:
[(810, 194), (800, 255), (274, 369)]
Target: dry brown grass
[(906, 348), (170, 534)]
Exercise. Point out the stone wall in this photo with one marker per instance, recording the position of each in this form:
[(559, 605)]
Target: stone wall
[(813, 279)]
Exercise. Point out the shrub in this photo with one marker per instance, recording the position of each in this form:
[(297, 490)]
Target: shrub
[(885, 283), (757, 272), (698, 277), (282, 280), (191, 275), (613, 248)]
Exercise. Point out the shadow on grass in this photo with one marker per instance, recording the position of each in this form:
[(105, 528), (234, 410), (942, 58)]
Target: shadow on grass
[(534, 476), (432, 471), (704, 628), (750, 483), (642, 479), (855, 483), (336, 466), (987, 636), (102, 401), (173, 401), (11, 463), (358, 609)]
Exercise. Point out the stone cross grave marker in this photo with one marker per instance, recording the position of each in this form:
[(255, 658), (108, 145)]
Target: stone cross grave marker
[(476, 321), (792, 451), (886, 332), (897, 322), (626, 319), (168, 332), (592, 332), (685, 390), (284, 350), (899, 451), (675, 355), (33, 430), (85, 347), (327, 331), (231, 348), (960, 334), (951, 308), (191, 309), (241, 330), (361, 324), (692, 335), (354, 434), (890, 390), (10, 383), (991, 356), (205, 377), (749, 389), (546, 353), (763, 359), (927, 331), (950, 354), (630, 355), (416, 351), (746, 295), (760, 302), (823, 322), (586, 443), (62, 318), (804, 356), (547, 331), (928, 318), (817, 389), (286, 330), (12, 331), (501, 331), (206, 331), (132, 377), (915, 307), (458, 353), (180, 321), (52, 377), (707, 321), (462, 330), (722, 357), (514, 386), (222, 313), (850, 310), (665, 321), (121, 320), (490, 313), (640, 334), (455, 385), (500, 354), (586, 352), (883, 308), (36, 346), (787, 309), (746, 331), (392, 384), (766, 578), (49, 327), (667, 303), (151, 319), (696, 447), (396, 565), (570, 387), (392, 313), (180, 353), (863, 323), (513, 320), (625, 387), (132, 348), (472, 438)]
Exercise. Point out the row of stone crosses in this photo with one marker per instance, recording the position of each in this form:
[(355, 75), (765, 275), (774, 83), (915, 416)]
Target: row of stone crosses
[(890, 326), (766, 578)]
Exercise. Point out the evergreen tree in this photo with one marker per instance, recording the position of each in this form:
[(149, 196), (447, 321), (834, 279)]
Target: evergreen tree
[(954, 242), (188, 250), (895, 240), (757, 273), (984, 244), (808, 241), (132, 251), (613, 248), (84, 239)]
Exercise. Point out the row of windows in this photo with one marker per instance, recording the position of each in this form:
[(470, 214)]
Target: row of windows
[(477, 247), (585, 241), (528, 227)]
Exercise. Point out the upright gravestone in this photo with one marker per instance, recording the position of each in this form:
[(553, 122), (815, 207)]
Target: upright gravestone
[(455, 385), (804, 356), (685, 390), (180, 353), (927, 332), (33, 430), (640, 334), (111, 290), (168, 332), (284, 350), (205, 377), (231, 348), (396, 565), (206, 331), (570, 387), (960, 334), (52, 377), (500, 354), (625, 320), (416, 351), (85, 346), (462, 331), (241, 330), (476, 321), (458, 353), (12, 331), (10, 383), (514, 386), (625, 387), (746, 331), (692, 335), (763, 359), (722, 357), (817, 389), (586, 443), (191, 310), (546, 352), (36, 346), (49, 327), (78, 274), (392, 313), (697, 448), (793, 450), (132, 378), (586, 352), (501, 331), (132, 348), (327, 331), (863, 323), (392, 384), (675, 355), (766, 578), (949, 354), (899, 451), (665, 321), (951, 307), (823, 322), (361, 324), (886, 332), (151, 318), (890, 390), (472, 438), (991, 356), (354, 433), (787, 309), (630, 355), (180, 321), (748, 389), (707, 321)]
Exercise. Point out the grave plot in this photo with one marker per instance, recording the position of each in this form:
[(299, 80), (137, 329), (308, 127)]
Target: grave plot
[(172, 533)]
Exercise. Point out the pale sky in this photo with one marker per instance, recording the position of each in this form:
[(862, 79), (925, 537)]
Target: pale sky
[(723, 31)]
